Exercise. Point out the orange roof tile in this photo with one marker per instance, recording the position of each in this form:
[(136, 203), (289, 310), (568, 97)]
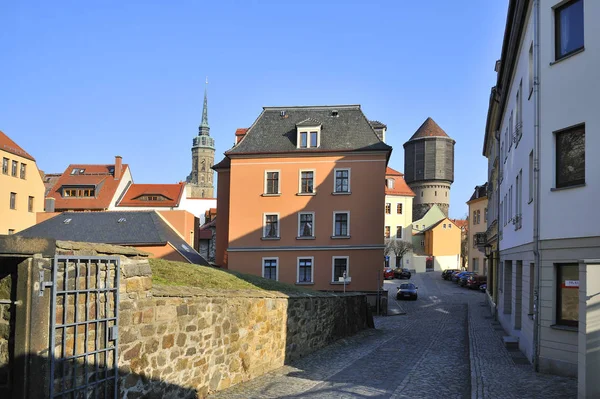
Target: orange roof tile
[(400, 186), (99, 176), (171, 192), (241, 131), (8, 145)]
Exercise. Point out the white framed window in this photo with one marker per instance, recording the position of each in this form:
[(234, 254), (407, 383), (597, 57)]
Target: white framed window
[(305, 269), (272, 182), (386, 232), (339, 265), (306, 224), (271, 225), (341, 181), (309, 137), (306, 181), (341, 224), (390, 183), (270, 268), (388, 208)]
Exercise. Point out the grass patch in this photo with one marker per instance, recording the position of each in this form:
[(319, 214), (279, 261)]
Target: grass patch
[(171, 273)]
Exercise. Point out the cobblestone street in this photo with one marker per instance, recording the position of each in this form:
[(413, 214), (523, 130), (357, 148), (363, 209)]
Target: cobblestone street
[(425, 353)]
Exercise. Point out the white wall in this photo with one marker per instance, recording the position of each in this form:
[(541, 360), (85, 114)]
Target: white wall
[(405, 220), (518, 155), (570, 95), (446, 262), (197, 206), (125, 180)]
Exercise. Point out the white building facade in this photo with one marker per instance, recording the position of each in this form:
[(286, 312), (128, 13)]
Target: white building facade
[(544, 116), (398, 216)]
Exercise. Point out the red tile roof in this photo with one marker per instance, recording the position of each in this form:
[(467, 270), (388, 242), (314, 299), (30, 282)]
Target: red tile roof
[(8, 145), (429, 129), (461, 223), (172, 193), (400, 186), (99, 176)]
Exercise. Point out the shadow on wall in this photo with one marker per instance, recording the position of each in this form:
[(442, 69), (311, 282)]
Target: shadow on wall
[(71, 376)]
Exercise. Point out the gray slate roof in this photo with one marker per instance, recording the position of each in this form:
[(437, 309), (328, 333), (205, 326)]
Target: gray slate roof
[(479, 192), (138, 228), (348, 131)]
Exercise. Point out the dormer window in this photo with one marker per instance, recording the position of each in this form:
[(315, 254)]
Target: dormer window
[(309, 134), (79, 192), (152, 197), (77, 171), (390, 183)]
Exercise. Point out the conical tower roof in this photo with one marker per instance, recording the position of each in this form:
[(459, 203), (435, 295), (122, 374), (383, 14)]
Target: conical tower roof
[(429, 129)]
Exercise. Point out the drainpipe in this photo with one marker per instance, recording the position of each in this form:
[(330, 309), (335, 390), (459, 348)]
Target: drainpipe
[(536, 182)]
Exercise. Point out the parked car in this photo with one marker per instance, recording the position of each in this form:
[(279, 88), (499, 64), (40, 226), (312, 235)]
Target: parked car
[(388, 273), (462, 281), (456, 276), (448, 272), (475, 280), (407, 290), (483, 287), (402, 273)]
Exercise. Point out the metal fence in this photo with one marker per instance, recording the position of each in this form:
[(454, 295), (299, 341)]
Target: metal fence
[(84, 327)]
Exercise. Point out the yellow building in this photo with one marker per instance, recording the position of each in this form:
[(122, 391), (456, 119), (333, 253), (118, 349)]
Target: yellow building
[(477, 227), (21, 188)]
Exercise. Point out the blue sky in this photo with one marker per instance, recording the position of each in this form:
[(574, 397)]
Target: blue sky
[(83, 81)]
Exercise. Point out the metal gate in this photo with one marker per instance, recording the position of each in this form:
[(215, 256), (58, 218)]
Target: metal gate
[(84, 327)]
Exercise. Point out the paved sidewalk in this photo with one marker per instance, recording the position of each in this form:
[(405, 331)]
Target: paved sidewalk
[(495, 375)]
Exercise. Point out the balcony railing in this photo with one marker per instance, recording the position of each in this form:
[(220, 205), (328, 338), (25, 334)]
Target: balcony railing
[(518, 133), (479, 240)]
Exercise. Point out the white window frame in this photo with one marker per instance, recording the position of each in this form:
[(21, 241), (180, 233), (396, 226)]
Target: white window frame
[(349, 181), (314, 172), (390, 183), (264, 225), (312, 270), (278, 182), (276, 259), (333, 258), (313, 224), (308, 130), (347, 227)]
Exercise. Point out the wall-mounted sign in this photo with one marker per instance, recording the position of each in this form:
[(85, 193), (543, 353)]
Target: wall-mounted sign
[(572, 283)]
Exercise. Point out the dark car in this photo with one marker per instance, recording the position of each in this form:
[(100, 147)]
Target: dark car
[(448, 272), (407, 290), (475, 280), (456, 276), (402, 273), (462, 281), (388, 273)]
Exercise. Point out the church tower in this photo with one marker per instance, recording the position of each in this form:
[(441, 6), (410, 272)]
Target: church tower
[(200, 180), (429, 168)]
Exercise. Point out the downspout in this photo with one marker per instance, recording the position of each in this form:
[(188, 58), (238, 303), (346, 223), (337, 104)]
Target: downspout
[(536, 181)]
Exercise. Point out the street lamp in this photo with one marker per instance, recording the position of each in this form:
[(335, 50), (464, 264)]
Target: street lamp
[(488, 250)]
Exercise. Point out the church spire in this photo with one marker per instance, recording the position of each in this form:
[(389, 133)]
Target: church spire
[(204, 129)]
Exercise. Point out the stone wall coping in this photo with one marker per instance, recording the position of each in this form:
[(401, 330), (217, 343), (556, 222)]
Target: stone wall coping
[(141, 268), (180, 291), (107, 249)]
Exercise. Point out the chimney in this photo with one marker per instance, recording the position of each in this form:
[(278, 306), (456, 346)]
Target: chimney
[(49, 204), (118, 167), (239, 134)]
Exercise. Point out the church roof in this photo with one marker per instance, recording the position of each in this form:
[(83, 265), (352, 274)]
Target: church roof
[(429, 129)]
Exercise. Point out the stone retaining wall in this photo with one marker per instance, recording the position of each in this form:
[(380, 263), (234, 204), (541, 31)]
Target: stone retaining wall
[(189, 342)]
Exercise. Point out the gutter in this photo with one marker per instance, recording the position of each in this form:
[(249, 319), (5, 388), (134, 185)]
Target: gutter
[(536, 180)]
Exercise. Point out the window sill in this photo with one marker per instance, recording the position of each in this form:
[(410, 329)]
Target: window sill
[(567, 187), (341, 193), (339, 283), (305, 283), (566, 57), (271, 195), (303, 194), (270, 238), (340, 237), (564, 328), (305, 238)]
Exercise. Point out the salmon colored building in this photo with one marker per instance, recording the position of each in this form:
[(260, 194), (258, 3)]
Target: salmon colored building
[(301, 199), (442, 239)]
